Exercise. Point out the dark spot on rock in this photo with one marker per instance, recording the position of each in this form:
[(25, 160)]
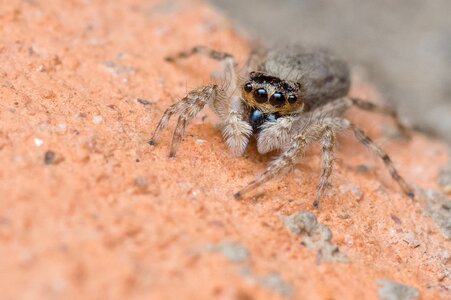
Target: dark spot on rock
[(51, 158), (362, 168), (395, 219), (143, 101)]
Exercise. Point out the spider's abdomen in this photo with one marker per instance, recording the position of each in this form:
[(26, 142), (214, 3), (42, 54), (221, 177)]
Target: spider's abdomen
[(320, 75)]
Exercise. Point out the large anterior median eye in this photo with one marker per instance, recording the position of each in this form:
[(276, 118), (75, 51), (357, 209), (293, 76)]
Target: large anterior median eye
[(277, 99), (261, 95)]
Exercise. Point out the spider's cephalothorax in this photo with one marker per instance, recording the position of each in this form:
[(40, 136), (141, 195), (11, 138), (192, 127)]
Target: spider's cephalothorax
[(289, 98), (270, 94), (268, 98)]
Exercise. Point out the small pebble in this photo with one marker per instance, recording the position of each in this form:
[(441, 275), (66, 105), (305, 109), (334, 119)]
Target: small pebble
[(49, 157)]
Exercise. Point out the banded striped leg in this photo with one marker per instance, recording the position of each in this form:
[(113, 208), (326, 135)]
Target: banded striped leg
[(222, 99), (187, 108), (366, 140), (369, 106), (216, 55), (327, 148), (286, 160)]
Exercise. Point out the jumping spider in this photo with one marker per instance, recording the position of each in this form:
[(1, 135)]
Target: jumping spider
[(287, 98)]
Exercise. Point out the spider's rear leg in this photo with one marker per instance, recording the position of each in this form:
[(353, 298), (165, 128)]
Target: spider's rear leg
[(187, 108), (216, 55), (369, 106), (366, 140)]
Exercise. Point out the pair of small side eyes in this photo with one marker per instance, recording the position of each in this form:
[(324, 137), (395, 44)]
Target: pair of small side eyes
[(276, 99)]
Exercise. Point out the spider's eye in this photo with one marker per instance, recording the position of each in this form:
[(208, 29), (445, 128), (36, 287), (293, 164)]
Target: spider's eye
[(292, 99), (260, 95), (277, 99), (248, 87)]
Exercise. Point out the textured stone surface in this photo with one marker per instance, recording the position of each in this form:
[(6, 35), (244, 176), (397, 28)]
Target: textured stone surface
[(391, 290), (88, 210)]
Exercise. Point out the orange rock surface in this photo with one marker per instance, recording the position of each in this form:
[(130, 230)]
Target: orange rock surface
[(88, 210)]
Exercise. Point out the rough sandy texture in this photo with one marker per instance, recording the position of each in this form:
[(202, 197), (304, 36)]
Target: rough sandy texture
[(88, 210)]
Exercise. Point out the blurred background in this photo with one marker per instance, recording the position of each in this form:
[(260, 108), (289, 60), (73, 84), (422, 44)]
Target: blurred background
[(402, 46)]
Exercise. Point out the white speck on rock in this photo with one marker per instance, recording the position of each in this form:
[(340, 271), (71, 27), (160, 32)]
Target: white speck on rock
[(38, 142), (97, 119), (200, 141)]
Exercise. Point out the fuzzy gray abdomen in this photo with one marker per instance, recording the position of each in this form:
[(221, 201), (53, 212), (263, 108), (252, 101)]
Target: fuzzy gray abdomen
[(321, 76)]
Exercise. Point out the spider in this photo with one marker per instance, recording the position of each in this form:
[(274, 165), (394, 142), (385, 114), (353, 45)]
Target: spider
[(287, 98)]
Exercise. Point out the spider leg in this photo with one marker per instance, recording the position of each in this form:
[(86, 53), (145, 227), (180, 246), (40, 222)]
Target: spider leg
[(327, 143), (327, 147), (275, 135), (286, 159), (369, 106), (366, 140), (187, 108), (223, 99), (216, 55), (337, 107), (276, 167)]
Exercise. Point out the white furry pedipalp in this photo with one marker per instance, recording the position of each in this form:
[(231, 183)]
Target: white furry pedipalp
[(275, 135), (236, 131)]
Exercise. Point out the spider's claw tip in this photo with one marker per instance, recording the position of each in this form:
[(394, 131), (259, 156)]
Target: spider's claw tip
[(411, 195), (151, 142), (237, 195), (171, 154)]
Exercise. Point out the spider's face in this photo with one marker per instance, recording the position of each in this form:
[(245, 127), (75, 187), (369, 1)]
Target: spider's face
[(271, 94)]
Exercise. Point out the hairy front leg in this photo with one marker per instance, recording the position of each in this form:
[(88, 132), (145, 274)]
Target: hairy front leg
[(187, 108), (282, 163), (226, 103), (286, 159), (327, 150), (275, 135)]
